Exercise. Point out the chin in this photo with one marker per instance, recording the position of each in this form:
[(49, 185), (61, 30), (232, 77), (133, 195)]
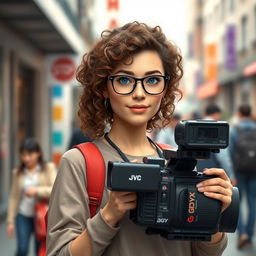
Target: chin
[(137, 123)]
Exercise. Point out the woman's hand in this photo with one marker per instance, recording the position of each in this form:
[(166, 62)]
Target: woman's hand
[(118, 204), (219, 188), (10, 230), (31, 191)]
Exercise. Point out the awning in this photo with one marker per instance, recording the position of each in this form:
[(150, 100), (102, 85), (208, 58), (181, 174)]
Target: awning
[(44, 24), (207, 90), (250, 69)]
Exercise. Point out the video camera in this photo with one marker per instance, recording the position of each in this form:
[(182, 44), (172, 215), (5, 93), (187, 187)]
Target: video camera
[(168, 202)]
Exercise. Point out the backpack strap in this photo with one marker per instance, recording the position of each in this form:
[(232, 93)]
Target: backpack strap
[(164, 146), (95, 174)]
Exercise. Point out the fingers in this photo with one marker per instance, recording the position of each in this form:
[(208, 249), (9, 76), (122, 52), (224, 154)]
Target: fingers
[(118, 204), (124, 200), (222, 180), (219, 188), (215, 171), (226, 200), (216, 189), (10, 232), (215, 181)]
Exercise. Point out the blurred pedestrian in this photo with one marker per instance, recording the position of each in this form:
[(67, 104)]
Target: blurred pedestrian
[(32, 182), (130, 80), (195, 115), (166, 135), (243, 151), (222, 159), (77, 137)]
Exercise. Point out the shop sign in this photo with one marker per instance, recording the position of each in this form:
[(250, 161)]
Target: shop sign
[(63, 69), (211, 62), (113, 8), (230, 42)]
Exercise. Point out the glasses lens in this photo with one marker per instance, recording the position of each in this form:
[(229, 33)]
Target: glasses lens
[(123, 84), (154, 84)]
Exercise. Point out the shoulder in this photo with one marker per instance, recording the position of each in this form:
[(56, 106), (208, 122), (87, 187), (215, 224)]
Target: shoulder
[(73, 155), (49, 166), (15, 173), (74, 159), (71, 170), (234, 130)]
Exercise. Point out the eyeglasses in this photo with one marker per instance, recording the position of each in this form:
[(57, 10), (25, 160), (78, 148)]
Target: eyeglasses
[(124, 84)]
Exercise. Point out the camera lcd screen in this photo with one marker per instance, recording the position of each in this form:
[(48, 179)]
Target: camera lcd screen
[(207, 133)]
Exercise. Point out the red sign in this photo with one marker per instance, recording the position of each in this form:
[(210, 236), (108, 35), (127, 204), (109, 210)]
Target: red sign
[(113, 24), (63, 69), (113, 4)]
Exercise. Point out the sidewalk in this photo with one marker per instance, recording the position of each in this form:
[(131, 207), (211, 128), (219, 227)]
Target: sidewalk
[(7, 246), (231, 249)]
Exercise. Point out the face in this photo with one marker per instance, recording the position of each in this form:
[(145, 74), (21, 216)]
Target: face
[(138, 107), (217, 116), (30, 159)]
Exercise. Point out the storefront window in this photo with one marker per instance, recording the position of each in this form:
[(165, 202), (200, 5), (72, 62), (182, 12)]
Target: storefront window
[(25, 102)]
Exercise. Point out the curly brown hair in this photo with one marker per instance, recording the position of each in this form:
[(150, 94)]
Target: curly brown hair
[(115, 47)]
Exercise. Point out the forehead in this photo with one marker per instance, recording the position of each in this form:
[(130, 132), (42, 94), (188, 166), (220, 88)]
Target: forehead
[(142, 62), (29, 152)]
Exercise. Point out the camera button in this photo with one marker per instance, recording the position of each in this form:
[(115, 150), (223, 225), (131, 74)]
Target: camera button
[(164, 197)]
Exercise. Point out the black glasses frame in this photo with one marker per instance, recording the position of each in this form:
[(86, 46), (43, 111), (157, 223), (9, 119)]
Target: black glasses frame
[(112, 77)]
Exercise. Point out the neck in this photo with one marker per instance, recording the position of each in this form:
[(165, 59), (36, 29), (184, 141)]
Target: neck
[(131, 140), (32, 168), (242, 118)]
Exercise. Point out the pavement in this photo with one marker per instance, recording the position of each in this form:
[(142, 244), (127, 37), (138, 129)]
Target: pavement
[(7, 246)]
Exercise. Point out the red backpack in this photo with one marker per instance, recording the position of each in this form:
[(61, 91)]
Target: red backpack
[(95, 167)]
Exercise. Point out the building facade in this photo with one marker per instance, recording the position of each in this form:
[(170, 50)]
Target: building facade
[(31, 33), (227, 69)]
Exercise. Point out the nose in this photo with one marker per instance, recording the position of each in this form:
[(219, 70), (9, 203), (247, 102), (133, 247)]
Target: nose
[(139, 91)]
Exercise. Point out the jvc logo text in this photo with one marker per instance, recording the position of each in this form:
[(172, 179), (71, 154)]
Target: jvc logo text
[(135, 177)]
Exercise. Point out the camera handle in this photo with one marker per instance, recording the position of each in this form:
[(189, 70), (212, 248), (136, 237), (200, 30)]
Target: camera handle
[(183, 166), (183, 161)]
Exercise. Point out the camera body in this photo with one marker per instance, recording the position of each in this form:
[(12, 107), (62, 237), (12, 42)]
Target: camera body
[(203, 134), (169, 203)]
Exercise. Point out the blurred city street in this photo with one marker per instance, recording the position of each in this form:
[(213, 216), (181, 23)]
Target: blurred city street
[(8, 245), (42, 44)]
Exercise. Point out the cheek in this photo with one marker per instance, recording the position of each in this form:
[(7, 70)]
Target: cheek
[(157, 102), (115, 100), (34, 158)]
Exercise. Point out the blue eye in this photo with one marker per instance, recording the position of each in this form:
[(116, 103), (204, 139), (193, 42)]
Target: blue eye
[(152, 80), (124, 80)]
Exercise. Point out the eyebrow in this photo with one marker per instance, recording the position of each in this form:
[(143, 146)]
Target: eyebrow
[(131, 73)]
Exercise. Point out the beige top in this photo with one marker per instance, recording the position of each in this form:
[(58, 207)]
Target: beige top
[(68, 217), (45, 183)]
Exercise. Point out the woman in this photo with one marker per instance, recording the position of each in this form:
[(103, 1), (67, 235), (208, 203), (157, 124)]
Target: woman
[(130, 80), (32, 182)]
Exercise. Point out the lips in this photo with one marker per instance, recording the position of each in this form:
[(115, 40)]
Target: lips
[(138, 106), (138, 109)]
